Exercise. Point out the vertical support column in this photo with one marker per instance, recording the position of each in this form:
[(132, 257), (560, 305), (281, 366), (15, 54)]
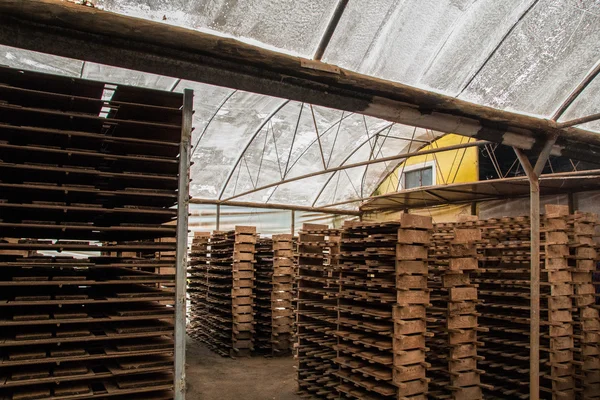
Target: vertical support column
[(282, 294), (293, 224), (409, 313), (534, 338), (183, 200), (218, 221), (242, 293)]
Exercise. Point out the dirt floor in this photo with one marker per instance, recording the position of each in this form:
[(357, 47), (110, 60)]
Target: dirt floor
[(212, 377)]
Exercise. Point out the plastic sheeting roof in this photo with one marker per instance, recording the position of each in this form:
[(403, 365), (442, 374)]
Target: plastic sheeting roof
[(525, 56)]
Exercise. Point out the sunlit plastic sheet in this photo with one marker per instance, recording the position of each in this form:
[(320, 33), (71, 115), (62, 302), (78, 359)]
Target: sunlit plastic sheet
[(268, 222), (290, 26)]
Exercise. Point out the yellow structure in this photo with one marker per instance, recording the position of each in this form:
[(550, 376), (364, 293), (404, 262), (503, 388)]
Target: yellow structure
[(453, 166)]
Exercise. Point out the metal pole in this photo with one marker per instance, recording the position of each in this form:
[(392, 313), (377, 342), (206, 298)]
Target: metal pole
[(293, 227), (534, 215), (218, 227), (182, 243), (535, 290)]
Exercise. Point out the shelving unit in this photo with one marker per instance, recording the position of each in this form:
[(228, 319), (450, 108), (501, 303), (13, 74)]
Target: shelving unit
[(89, 173)]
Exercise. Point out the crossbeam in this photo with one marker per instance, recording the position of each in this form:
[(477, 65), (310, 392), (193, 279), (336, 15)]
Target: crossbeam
[(86, 33)]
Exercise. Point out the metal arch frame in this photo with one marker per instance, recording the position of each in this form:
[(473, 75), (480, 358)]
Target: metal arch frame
[(287, 170), (346, 159), (493, 52), (243, 152), (576, 92), (417, 150), (210, 120), (349, 166)]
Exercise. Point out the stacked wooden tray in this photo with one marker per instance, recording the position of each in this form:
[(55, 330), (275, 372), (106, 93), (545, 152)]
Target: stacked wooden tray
[(263, 286), (282, 312), (586, 326), (316, 310), (88, 179), (198, 286), (215, 325), (568, 260), (242, 292), (381, 324), (453, 314)]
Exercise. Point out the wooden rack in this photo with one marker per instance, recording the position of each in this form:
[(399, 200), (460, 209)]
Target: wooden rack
[(88, 182)]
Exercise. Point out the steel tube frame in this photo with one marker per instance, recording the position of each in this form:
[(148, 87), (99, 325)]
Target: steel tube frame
[(533, 173), (183, 198)]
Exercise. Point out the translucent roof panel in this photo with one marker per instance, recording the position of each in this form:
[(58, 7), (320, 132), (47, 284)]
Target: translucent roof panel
[(587, 103), (292, 26), (522, 56), (33, 61), (536, 68)]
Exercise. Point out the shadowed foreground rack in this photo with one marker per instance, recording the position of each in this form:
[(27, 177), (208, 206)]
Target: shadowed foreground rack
[(89, 169)]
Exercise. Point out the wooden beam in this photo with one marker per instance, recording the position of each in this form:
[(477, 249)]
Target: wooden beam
[(86, 33)]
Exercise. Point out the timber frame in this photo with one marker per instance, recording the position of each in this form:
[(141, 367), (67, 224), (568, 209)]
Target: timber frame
[(71, 30)]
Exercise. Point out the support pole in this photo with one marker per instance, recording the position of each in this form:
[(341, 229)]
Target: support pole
[(293, 227), (533, 173), (218, 223), (182, 243)]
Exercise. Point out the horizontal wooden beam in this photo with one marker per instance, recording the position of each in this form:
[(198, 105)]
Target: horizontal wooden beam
[(325, 210), (81, 32)]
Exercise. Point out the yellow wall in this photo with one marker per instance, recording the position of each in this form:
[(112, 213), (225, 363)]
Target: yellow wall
[(454, 166)]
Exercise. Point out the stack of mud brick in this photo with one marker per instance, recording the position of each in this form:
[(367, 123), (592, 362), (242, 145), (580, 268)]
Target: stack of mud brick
[(197, 286), (409, 314), (282, 312), (586, 316), (242, 291), (263, 286), (316, 311), (453, 313)]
